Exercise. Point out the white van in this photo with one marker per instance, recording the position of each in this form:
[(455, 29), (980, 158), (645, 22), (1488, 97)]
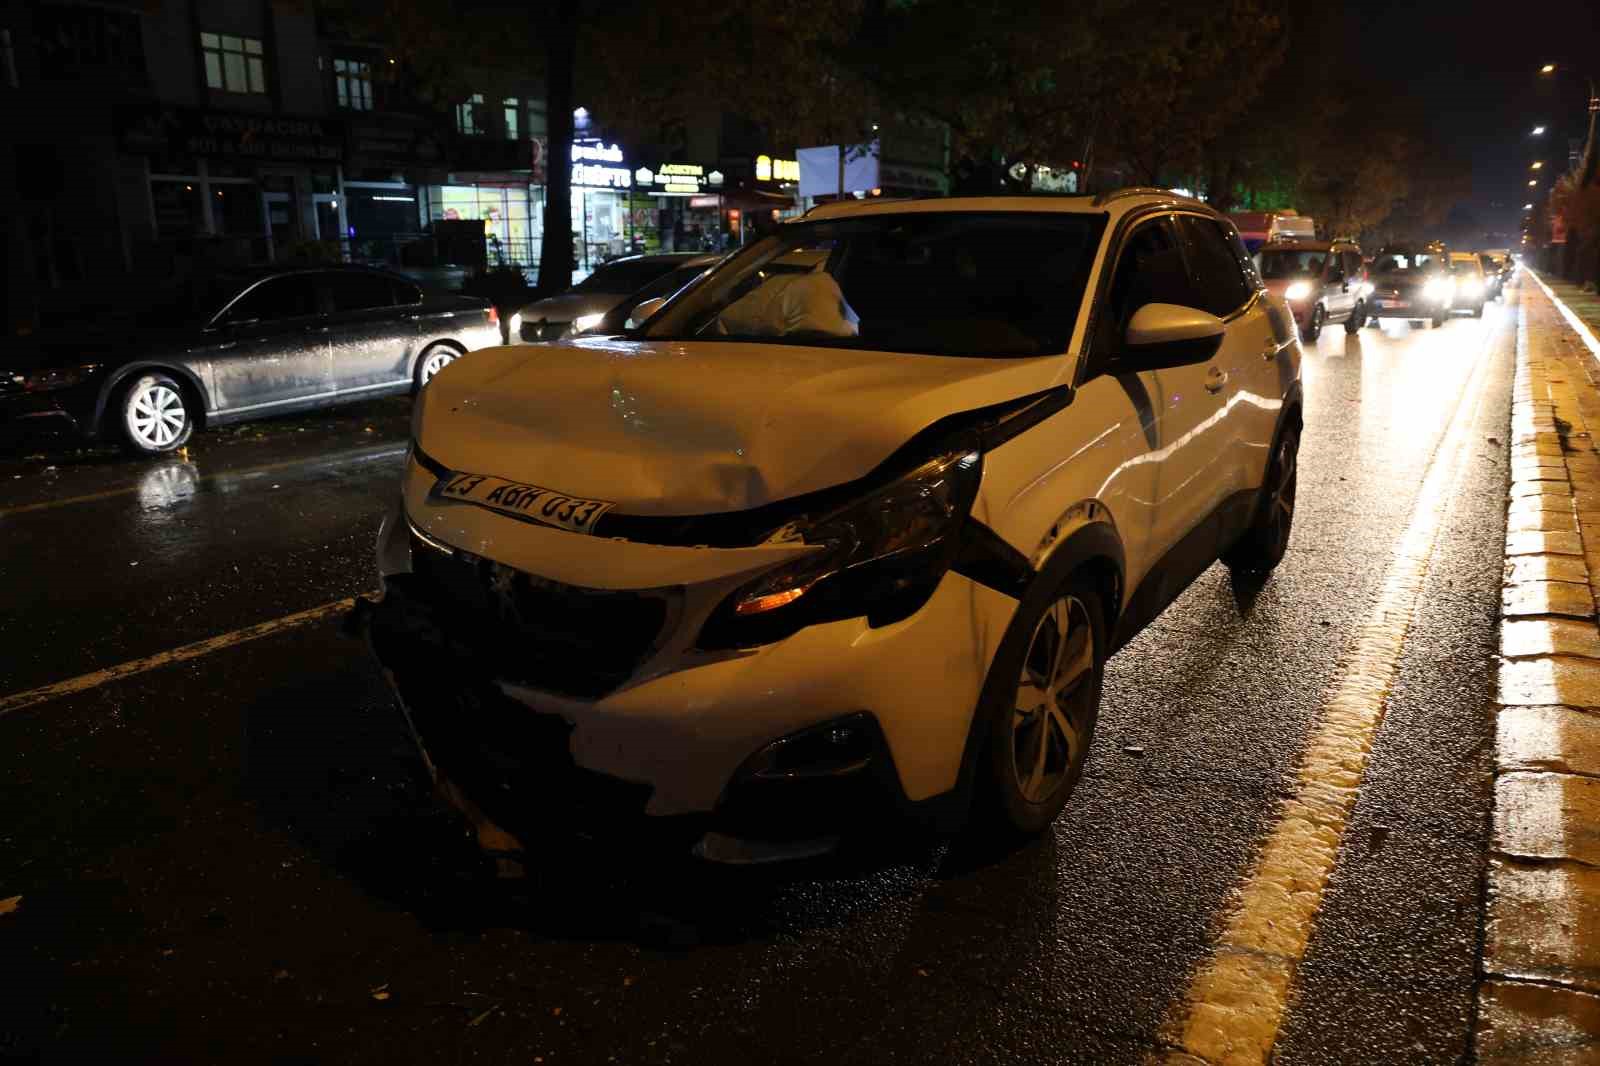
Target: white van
[(1258, 227)]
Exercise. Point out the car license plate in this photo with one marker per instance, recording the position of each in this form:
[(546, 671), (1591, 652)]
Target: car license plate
[(1388, 303), (528, 502)]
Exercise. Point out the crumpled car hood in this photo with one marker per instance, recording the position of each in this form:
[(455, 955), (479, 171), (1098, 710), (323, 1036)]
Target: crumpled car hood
[(688, 428)]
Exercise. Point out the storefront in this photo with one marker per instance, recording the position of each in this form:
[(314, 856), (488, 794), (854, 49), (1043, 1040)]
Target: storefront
[(602, 206), (254, 188), (688, 213), (512, 211)]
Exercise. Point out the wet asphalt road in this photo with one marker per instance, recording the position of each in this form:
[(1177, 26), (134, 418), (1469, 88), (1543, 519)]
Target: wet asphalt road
[(233, 858)]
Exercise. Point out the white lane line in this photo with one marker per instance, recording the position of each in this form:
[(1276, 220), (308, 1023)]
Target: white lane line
[(19, 700), (367, 456), (1578, 325), (1239, 994)]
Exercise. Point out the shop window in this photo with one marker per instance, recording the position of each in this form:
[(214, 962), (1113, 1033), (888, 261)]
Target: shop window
[(236, 210), (352, 81), (469, 115), (513, 113), (177, 208), (234, 64)]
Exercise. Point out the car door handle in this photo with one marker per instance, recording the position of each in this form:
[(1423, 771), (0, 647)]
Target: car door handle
[(1215, 379), (1270, 352)]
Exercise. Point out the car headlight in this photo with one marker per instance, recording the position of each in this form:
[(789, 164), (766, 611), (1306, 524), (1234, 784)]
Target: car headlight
[(584, 323), (1469, 289), (54, 378), (880, 555), (1298, 291), (1438, 290)]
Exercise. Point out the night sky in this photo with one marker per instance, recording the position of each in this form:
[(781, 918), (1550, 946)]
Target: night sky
[(1473, 66)]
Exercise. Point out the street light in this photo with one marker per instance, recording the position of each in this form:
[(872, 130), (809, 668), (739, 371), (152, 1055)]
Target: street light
[(1548, 68), (1527, 207), (1531, 184), (1538, 131), (1537, 165)]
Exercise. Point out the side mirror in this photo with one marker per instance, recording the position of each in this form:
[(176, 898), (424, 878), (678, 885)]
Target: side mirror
[(1167, 335), (642, 312)]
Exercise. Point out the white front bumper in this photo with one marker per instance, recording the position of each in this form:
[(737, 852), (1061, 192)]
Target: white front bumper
[(687, 721)]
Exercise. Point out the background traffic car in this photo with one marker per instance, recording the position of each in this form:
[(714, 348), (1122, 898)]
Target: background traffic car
[(581, 307), (1471, 289), (1322, 282), (1493, 279), (638, 306), (811, 551), (243, 346), (1412, 281)]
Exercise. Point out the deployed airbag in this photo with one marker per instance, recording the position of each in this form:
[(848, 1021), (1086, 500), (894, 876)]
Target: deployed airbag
[(790, 305)]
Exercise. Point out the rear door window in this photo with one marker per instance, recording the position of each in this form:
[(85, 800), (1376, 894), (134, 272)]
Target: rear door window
[(275, 300), (356, 291)]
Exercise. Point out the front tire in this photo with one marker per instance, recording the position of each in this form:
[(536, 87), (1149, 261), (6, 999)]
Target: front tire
[(1438, 319), (1040, 707), (1264, 543), (156, 416), (1357, 319), (1314, 324)]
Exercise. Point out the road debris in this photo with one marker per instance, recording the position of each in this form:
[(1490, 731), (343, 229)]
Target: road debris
[(10, 904), (480, 1019), (1133, 749), (381, 993)]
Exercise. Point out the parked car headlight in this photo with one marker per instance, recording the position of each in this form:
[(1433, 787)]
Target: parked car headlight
[(880, 555), (584, 323), (1298, 291), (1438, 290), (1469, 288), (54, 378)]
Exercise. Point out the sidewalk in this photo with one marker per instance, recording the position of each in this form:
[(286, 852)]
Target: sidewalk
[(1540, 996)]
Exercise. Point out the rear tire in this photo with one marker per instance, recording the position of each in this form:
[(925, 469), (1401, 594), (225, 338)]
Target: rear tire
[(1438, 319), (1040, 708), (1264, 543), (433, 359), (155, 415)]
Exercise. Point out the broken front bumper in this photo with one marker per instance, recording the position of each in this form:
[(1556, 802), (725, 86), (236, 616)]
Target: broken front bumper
[(690, 742)]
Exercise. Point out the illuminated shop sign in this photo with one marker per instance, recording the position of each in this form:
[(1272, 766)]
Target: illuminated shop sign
[(599, 166), (770, 169), (678, 179)]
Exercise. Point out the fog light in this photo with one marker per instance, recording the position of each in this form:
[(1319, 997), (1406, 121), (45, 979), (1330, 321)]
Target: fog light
[(843, 746)]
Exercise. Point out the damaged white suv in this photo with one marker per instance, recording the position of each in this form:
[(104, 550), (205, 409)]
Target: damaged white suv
[(846, 528)]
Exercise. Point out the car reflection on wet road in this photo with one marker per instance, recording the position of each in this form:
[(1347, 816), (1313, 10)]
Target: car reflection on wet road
[(233, 857)]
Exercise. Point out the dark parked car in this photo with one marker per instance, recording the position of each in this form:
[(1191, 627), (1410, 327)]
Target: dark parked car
[(582, 307), (242, 346)]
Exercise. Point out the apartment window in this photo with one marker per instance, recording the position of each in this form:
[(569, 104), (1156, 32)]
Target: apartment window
[(513, 109), (352, 80), (234, 64), (469, 115)]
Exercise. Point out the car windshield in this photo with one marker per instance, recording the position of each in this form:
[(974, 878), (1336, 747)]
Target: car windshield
[(1464, 266), (623, 277), (1281, 263), (1401, 262), (659, 289), (993, 284)]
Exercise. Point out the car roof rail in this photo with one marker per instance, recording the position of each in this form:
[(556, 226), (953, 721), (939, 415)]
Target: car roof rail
[(1137, 190)]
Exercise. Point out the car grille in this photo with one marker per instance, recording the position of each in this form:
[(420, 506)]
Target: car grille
[(543, 330), (550, 636)]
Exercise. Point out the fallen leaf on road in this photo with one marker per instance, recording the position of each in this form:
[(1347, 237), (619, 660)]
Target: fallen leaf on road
[(1494, 440), (10, 904), (381, 993)]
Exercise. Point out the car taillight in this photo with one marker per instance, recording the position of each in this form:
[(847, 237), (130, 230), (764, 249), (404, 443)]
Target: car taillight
[(494, 315)]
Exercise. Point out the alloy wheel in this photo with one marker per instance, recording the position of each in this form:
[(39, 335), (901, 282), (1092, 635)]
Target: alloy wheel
[(1281, 501), (434, 362), (156, 415), (1054, 706)]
